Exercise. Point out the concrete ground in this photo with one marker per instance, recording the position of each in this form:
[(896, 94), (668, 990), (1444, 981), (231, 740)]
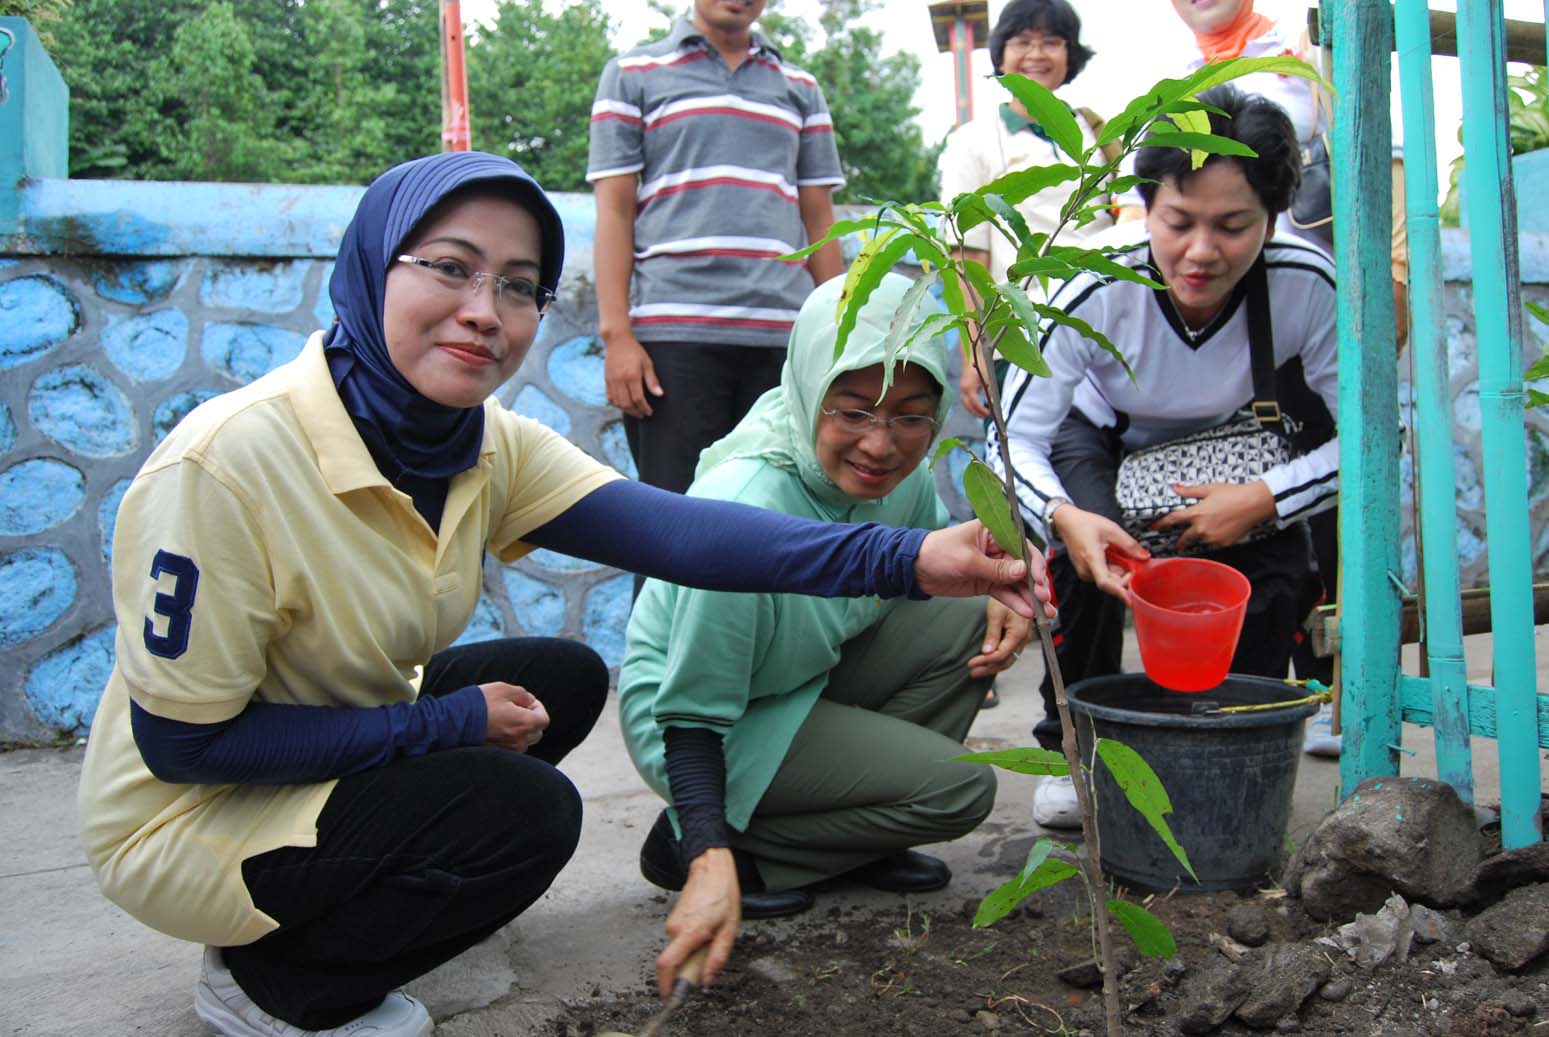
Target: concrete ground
[(71, 963)]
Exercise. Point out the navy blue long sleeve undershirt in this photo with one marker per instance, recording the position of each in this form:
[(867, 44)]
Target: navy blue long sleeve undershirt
[(716, 545)]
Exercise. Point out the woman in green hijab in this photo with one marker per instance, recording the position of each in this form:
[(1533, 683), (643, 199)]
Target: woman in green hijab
[(797, 738)]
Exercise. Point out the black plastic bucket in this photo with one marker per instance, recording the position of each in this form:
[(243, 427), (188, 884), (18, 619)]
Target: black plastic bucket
[(1229, 777)]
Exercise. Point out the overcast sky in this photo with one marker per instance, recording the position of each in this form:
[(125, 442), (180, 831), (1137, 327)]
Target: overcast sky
[(1137, 42)]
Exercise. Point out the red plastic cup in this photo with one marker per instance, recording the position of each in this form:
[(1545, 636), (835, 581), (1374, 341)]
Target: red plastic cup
[(1188, 617)]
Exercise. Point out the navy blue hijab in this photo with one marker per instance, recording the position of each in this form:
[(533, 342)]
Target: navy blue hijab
[(402, 428)]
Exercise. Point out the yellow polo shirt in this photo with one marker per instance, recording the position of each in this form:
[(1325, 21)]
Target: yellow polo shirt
[(259, 553)]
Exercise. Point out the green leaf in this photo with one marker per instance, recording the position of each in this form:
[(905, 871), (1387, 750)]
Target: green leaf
[(1024, 183), (1191, 120), (1144, 791), (1119, 184), (947, 445), (1098, 262), (1218, 72), (987, 496), (968, 211), (1536, 398), (982, 283), (1000, 902), (1209, 143), (1022, 761), (1042, 266), (838, 230), (1540, 369), (877, 258), (1004, 209), (1013, 344), (1086, 330), (952, 292), (1051, 114), (1031, 358), (902, 325), (1036, 856), (1538, 310), (1148, 932)]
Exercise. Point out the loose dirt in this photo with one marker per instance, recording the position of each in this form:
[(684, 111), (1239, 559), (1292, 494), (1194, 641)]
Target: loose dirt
[(847, 972)]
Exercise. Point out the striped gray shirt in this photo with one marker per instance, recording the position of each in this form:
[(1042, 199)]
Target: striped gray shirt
[(719, 155)]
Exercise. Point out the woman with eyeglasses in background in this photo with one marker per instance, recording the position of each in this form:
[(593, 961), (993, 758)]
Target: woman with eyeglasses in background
[(292, 763), (796, 739), (1041, 40)]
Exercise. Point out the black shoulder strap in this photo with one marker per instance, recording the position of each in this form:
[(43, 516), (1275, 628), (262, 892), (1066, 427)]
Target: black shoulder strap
[(1261, 345)]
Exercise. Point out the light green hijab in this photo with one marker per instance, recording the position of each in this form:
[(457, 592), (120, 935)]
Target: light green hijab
[(782, 426)]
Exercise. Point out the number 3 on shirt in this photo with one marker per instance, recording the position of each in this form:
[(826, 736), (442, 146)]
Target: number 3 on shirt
[(177, 607)]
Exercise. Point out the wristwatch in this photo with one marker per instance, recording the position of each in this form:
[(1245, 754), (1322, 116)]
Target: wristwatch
[(1048, 513)]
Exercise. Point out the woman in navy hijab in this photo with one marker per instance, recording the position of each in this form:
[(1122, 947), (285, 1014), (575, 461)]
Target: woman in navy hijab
[(291, 764)]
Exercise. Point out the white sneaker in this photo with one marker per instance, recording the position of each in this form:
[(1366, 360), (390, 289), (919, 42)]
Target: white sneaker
[(1054, 803), (1321, 740), (222, 1005)]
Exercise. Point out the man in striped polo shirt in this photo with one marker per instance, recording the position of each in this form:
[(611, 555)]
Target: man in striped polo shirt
[(710, 156)]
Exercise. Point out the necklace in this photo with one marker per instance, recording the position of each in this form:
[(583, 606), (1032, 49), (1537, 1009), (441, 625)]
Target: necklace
[(1191, 333)]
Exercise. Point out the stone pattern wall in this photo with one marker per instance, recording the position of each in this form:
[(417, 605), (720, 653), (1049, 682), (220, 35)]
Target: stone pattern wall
[(1468, 456), (101, 354)]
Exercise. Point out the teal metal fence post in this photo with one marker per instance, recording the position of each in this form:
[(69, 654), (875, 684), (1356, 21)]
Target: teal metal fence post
[(1368, 390), (34, 120), (1492, 221), (1438, 530)]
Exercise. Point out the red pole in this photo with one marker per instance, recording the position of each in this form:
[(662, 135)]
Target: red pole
[(454, 80)]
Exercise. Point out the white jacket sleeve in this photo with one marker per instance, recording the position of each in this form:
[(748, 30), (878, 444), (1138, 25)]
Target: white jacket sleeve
[(1309, 484)]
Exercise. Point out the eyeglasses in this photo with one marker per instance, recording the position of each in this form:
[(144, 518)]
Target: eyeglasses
[(904, 427), (513, 295), (1041, 44)]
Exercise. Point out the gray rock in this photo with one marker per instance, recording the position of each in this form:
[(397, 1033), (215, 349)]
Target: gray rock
[(1513, 933), (1289, 975), (1088, 975), (1248, 924), (1519, 1005), (1503, 872), (1174, 970), (1336, 990), (1407, 835), (988, 1020), (775, 970), (1429, 926), (1373, 939), (1213, 996)]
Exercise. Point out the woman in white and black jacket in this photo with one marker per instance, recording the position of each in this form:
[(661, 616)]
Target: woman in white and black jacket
[(1206, 231)]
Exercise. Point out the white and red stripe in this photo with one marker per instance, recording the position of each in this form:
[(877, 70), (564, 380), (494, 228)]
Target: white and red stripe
[(818, 122), (603, 174), (604, 108), (790, 72), (647, 62), (688, 313), (715, 176), (724, 105), (720, 245)]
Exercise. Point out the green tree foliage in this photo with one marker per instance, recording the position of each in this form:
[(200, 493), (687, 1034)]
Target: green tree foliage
[(871, 98), (227, 126), (320, 91), (38, 12), (335, 91), (531, 79)]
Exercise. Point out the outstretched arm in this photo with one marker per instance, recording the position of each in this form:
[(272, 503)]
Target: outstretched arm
[(719, 545)]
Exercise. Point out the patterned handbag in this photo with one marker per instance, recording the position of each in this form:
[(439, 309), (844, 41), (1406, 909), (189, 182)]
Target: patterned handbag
[(1240, 450)]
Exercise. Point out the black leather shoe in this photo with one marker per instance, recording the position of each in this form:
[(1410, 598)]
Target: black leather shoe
[(661, 858), (907, 871), (661, 862), (776, 905)]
